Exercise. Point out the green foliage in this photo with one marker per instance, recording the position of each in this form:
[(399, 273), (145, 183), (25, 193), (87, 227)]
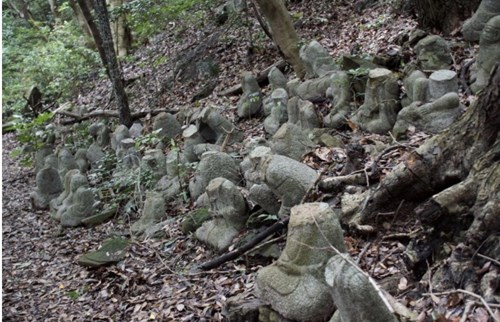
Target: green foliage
[(147, 17), (358, 72), (54, 58)]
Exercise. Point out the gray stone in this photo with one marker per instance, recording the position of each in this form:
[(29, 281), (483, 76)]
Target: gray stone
[(40, 156), (313, 89), (416, 86), (213, 165), (276, 79), (194, 220), (121, 132), (292, 87), (127, 155), (229, 212), (56, 203), (48, 187), (169, 188), (101, 216), (433, 53), (473, 27), (191, 138), (154, 164), (288, 179), (176, 164), (291, 141), (263, 196), (201, 148), (154, 211), (354, 295), (100, 133), (95, 155), (250, 103), (135, 130), (214, 128), (303, 114), (78, 205), (167, 126), (489, 53), (432, 117), (379, 111), (81, 160), (316, 59), (294, 284), (279, 115), (339, 93), (442, 82), (65, 162)]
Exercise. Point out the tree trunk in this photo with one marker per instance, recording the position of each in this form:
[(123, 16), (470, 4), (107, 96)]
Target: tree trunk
[(283, 32), (21, 8), (113, 68), (120, 31), (445, 16), (82, 22)]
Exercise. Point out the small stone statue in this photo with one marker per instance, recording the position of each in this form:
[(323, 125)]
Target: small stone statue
[(250, 102), (489, 53), (79, 203), (48, 187), (278, 115)]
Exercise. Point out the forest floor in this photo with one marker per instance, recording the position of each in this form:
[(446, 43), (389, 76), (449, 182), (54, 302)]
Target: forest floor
[(159, 279)]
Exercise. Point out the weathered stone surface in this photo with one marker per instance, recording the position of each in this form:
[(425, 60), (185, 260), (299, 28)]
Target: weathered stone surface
[(65, 162), (100, 217), (354, 296), (176, 164), (194, 220), (48, 187), (313, 89), (112, 251), (416, 85), (339, 93), (303, 114), (294, 284), (288, 179), (153, 212), (56, 203), (214, 127), (201, 148), (278, 115), (473, 27), (127, 155), (276, 79), (121, 132), (489, 53), (250, 102), (213, 165), (291, 141), (229, 212), (191, 138), (442, 82), (379, 111), (40, 156), (169, 188), (433, 53), (135, 130), (81, 160), (95, 155), (79, 203), (262, 195), (237, 309), (153, 163), (167, 125), (316, 59), (100, 133)]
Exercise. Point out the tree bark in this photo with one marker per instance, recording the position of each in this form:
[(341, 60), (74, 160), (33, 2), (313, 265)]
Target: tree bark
[(114, 70), (120, 31), (82, 22), (283, 32)]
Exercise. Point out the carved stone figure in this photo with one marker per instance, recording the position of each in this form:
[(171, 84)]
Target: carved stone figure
[(65, 162), (154, 211), (276, 79), (154, 164), (294, 284), (229, 213), (473, 27), (433, 53), (316, 59), (339, 93), (78, 204), (291, 141), (489, 53), (48, 187), (278, 115), (303, 113), (250, 102), (379, 111), (167, 125)]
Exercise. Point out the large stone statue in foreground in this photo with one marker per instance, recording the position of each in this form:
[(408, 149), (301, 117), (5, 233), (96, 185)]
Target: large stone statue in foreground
[(489, 53), (294, 284)]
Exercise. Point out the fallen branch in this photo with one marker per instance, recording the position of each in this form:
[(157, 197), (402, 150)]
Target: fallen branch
[(76, 118)]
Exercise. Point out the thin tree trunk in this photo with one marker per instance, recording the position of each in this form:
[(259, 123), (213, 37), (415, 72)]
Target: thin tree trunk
[(114, 69), (82, 22), (283, 32), (120, 32)]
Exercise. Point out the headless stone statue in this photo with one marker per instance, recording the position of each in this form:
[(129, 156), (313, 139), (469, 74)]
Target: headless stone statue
[(79, 204), (316, 59), (250, 103), (229, 214), (489, 53), (278, 114), (339, 93), (48, 187), (294, 284), (291, 141), (154, 211), (276, 79), (379, 111), (167, 125)]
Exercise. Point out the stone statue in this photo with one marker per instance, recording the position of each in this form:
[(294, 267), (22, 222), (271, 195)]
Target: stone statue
[(291, 141), (294, 285), (379, 111), (473, 27), (153, 212), (339, 93), (48, 187), (433, 53), (79, 203), (278, 116), (489, 53), (167, 125), (317, 60), (250, 103)]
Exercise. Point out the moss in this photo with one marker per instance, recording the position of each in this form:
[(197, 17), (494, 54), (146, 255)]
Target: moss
[(194, 220)]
